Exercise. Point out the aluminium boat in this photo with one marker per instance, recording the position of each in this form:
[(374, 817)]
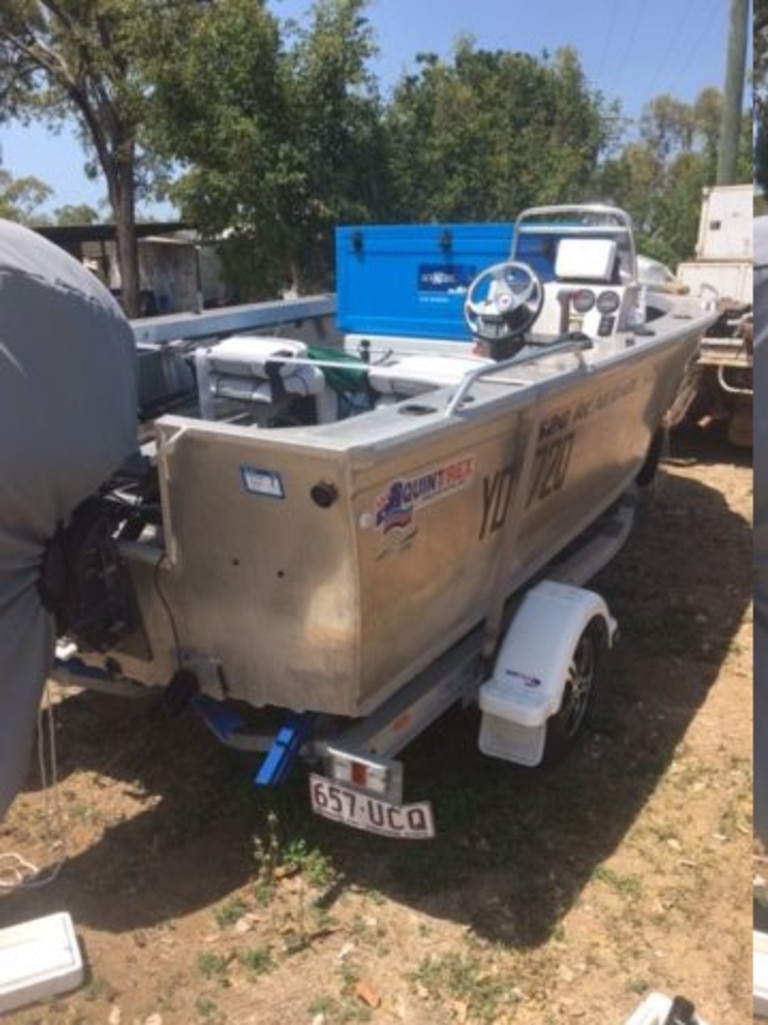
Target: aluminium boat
[(322, 525)]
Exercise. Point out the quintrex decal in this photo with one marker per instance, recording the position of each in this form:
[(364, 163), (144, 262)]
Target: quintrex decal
[(396, 506)]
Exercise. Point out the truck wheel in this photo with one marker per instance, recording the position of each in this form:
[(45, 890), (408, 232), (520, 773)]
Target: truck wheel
[(565, 727)]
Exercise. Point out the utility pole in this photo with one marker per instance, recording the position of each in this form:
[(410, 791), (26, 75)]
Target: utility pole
[(730, 124)]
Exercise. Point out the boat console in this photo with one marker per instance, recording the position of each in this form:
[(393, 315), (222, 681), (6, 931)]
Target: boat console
[(572, 269)]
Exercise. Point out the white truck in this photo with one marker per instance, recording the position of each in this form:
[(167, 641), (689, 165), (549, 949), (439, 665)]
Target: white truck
[(722, 270)]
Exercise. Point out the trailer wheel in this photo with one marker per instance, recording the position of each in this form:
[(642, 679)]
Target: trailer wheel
[(565, 727)]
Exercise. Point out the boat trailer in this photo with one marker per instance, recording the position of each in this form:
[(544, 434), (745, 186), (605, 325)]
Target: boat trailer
[(356, 777)]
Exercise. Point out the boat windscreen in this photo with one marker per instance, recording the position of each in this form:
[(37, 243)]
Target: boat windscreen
[(539, 249)]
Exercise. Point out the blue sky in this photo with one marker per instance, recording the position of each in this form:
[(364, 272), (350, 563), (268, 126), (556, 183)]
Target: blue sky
[(631, 50)]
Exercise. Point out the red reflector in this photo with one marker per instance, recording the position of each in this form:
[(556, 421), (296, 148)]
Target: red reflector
[(359, 774)]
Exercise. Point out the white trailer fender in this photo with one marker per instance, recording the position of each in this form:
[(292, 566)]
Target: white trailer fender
[(532, 667)]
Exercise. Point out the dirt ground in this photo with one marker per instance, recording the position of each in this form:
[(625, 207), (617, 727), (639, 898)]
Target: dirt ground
[(546, 898)]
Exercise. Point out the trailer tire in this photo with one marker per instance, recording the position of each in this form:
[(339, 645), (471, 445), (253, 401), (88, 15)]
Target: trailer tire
[(565, 728)]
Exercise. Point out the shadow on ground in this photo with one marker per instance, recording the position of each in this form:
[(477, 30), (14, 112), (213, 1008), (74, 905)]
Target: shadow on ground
[(515, 848)]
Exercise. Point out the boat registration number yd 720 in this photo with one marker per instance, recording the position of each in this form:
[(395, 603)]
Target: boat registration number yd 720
[(363, 811)]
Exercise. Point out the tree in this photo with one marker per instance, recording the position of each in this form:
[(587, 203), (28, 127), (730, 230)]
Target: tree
[(84, 60), (281, 142), (20, 197), (222, 117), (659, 177), (760, 73), (338, 138), (488, 133), (77, 214), (667, 126), (760, 34)]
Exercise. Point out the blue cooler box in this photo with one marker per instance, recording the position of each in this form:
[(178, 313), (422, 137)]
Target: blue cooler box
[(411, 279)]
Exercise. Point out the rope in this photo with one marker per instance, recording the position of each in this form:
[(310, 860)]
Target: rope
[(16, 872)]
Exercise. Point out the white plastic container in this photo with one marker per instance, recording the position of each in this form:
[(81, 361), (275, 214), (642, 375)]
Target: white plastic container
[(654, 1010), (38, 960)]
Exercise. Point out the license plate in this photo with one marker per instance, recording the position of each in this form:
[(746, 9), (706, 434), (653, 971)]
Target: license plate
[(362, 811)]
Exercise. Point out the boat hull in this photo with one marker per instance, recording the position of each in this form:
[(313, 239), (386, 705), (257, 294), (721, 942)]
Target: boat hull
[(322, 568)]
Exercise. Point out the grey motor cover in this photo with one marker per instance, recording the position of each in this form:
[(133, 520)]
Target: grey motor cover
[(67, 422)]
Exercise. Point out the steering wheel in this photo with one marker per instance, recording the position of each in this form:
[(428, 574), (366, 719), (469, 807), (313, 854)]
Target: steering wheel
[(513, 300)]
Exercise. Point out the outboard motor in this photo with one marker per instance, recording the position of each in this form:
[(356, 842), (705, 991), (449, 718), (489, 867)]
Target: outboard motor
[(67, 423)]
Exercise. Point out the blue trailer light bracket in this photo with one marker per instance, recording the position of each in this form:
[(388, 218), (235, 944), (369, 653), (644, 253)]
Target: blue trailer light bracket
[(219, 717), (284, 750)]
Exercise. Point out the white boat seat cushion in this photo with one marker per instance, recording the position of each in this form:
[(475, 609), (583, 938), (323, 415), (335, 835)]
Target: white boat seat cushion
[(586, 259), (248, 356), (413, 375), (243, 367)]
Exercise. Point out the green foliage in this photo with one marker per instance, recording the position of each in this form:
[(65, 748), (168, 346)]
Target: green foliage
[(316, 866), (658, 177), (81, 213), (276, 131), (626, 885), (280, 144), (275, 857), (20, 198), (267, 853), (207, 1011), (484, 135), (760, 40), (230, 912), (467, 978), (86, 61), (257, 959), (211, 965)]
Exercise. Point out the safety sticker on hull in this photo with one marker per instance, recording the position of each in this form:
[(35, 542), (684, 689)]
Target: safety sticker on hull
[(262, 482), (396, 506)]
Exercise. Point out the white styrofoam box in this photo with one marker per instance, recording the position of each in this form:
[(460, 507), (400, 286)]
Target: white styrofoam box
[(653, 1011), (38, 959)]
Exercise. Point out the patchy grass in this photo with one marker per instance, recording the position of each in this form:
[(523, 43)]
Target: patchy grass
[(99, 988), (231, 911), (276, 857), (208, 1012), (339, 1010), (212, 966), (466, 985), (312, 863), (627, 886), (257, 960)]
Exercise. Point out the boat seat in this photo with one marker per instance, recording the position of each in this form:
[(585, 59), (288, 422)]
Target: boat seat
[(414, 375), (252, 369)]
